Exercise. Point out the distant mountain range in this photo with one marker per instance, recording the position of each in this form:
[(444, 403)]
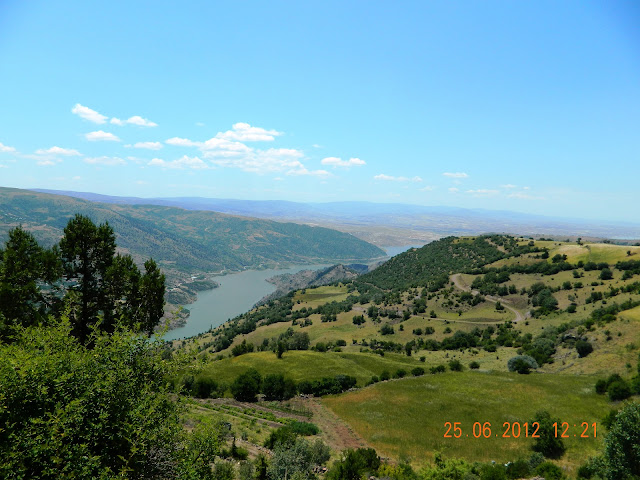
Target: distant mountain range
[(185, 240), (387, 224)]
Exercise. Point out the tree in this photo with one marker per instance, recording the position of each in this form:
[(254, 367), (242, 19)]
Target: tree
[(71, 412), (23, 265), (547, 444), (109, 288), (622, 445), (294, 461), (606, 274), (87, 253), (583, 348), (247, 386)]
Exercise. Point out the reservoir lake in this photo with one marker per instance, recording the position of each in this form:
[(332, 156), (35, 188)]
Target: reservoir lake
[(237, 293)]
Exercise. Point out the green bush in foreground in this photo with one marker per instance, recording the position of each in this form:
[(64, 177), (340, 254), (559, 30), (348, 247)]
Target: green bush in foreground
[(71, 412)]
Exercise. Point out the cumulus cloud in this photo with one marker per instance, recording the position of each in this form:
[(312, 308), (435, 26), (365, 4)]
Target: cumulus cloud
[(88, 114), (141, 122), (303, 171), (509, 186), (147, 145), (338, 162), (6, 148), (260, 161), (135, 120), (107, 161), (243, 132), (101, 136), (390, 178), (182, 142), (453, 190), (428, 188), (181, 163), (455, 175), (67, 152)]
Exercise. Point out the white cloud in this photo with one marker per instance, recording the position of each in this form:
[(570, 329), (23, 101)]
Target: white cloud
[(6, 148), (147, 145), (338, 162), (483, 192), (390, 178), (509, 186), (117, 121), (455, 175), (67, 152), (302, 170), (88, 114), (524, 196), (182, 142), (183, 162), (243, 132), (141, 122), (200, 124), (77, 178), (224, 148), (453, 190), (260, 161), (108, 161), (428, 188), (101, 136)]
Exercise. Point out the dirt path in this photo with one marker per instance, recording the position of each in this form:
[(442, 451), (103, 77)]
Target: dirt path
[(337, 434), (462, 285)]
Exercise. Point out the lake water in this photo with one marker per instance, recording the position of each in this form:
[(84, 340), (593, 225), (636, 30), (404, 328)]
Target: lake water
[(237, 293), (393, 251)]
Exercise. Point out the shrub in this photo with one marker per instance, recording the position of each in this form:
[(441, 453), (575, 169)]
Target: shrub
[(385, 375), (304, 428), (547, 444), (417, 371), (387, 330), (455, 366), (583, 348), (522, 364), (474, 365), (518, 469), (400, 373), (247, 386), (619, 390), (621, 445), (601, 387), (438, 369), (549, 471)]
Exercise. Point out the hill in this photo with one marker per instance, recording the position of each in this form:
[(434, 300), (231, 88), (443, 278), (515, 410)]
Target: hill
[(185, 240), (442, 322), (387, 224)]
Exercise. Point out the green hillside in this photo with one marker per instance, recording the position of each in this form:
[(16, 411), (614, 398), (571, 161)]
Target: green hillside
[(185, 239)]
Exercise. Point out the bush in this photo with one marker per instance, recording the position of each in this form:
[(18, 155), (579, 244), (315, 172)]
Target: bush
[(621, 445), (417, 371), (474, 365), (206, 388), (304, 428), (518, 469), (400, 373), (522, 364), (547, 444), (549, 471), (438, 369), (583, 348), (247, 386), (601, 387), (455, 366), (387, 330), (385, 375), (619, 390)]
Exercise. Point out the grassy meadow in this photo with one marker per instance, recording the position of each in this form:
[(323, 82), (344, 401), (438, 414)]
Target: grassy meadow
[(405, 418)]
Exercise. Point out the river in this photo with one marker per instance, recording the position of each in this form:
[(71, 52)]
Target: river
[(237, 293)]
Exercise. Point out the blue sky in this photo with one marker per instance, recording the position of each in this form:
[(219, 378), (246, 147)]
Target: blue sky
[(525, 106)]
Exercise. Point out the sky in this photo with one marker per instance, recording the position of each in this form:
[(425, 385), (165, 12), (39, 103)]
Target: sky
[(523, 106)]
